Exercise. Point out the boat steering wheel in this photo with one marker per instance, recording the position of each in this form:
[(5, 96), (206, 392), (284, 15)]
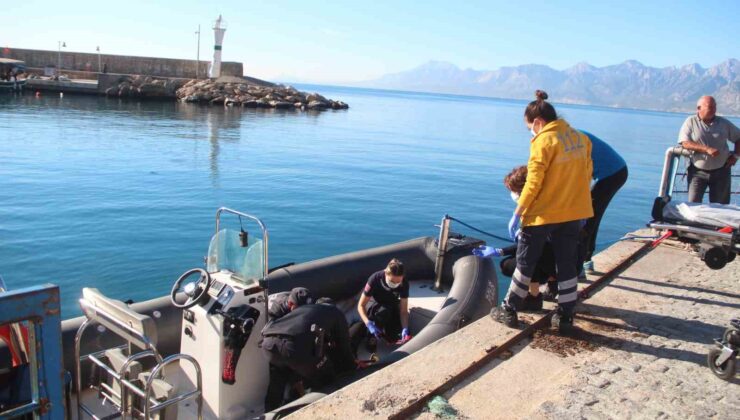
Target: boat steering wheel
[(194, 290)]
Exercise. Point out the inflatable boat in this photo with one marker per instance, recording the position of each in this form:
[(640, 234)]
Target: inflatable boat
[(195, 353), (713, 228)]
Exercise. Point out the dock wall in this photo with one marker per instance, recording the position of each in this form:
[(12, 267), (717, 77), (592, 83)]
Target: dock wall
[(122, 64)]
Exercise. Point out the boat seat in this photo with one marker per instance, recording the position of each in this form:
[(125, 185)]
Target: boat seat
[(118, 317), (127, 378)]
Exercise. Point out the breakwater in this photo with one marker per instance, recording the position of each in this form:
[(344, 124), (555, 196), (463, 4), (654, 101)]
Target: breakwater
[(229, 91)]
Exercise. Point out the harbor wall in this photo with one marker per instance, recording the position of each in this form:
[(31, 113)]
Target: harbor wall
[(122, 64)]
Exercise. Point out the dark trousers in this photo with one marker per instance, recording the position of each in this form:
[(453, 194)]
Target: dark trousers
[(564, 239), (718, 180), (544, 269), (290, 362), (387, 318), (601, 195)]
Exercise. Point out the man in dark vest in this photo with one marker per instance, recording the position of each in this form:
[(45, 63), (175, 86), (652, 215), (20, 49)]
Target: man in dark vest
[(308, 344)]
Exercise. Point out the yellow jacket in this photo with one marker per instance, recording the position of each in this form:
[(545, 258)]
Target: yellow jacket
[(558, 187)]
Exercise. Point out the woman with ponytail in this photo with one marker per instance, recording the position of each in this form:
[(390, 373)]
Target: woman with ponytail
[(556, 198)]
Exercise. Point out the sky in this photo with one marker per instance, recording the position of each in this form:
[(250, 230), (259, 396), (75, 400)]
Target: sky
[(330, 41)]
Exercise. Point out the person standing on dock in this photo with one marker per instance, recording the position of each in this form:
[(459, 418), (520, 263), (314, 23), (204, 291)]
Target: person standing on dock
[(609, 174), (555, 200), (710, 165)]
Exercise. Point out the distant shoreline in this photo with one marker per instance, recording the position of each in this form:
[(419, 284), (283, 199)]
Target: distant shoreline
[(500, 99)]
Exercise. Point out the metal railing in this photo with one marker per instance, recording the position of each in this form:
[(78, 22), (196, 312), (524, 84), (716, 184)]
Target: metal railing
[(673, 175), (39, 305), (97, 315)]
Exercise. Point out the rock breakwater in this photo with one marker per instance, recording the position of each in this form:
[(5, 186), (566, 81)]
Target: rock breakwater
[(253, 96), (145, 87), (214, 92)]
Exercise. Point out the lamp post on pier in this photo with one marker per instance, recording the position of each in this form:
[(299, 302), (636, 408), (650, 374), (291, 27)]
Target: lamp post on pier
[(60, 44), (197, 56), (99, 66)]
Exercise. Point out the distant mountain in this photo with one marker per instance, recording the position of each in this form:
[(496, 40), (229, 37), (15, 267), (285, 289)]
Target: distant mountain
[(630, 84)]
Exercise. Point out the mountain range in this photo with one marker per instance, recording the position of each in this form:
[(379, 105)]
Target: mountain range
[(630, 84)]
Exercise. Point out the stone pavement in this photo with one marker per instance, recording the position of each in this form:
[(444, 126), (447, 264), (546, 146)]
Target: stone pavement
[(640, 353)]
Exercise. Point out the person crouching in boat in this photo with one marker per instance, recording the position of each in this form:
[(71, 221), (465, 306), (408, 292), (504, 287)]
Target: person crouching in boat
[(280, 304), (556, 198), (383, 307), (307, 346)]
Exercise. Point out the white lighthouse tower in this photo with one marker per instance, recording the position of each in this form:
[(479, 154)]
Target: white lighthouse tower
[(219, 27)]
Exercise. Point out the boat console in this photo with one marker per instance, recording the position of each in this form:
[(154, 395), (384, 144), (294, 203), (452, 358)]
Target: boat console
[(220, 364)]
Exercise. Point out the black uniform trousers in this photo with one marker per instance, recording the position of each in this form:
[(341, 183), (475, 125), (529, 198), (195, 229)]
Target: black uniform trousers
[(385, 317), (601, 195), (564, 240), (292, 360)]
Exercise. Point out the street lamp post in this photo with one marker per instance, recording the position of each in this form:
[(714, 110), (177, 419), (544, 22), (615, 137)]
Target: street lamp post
[(60, 44), (197, 57), (98, 50)]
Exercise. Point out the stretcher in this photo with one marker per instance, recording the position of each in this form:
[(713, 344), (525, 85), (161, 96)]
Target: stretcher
[(713, 228)]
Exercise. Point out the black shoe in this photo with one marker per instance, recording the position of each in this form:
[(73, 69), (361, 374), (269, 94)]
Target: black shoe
[(505, 315), (563, 322), (532, 303), (551, 291)]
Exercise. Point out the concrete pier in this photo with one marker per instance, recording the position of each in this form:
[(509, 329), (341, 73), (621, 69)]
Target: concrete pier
[(68, 86), (639, 352)]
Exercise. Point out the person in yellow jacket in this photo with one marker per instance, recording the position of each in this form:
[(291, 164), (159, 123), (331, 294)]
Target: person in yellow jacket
[(555, 200)]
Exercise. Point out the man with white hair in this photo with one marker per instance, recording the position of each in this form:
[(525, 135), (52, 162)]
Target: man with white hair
[(707, 135)]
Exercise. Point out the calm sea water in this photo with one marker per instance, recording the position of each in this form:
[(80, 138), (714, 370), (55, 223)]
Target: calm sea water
[(121, 195)]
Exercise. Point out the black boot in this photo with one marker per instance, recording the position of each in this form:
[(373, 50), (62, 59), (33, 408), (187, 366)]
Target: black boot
[(532, 303), (563, 321), (506, 315)]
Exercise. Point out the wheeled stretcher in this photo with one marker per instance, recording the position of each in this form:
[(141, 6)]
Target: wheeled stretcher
[(715, 228)]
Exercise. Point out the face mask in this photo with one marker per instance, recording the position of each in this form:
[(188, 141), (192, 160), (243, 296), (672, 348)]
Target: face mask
[(393, 285), (531, 130), (514, 197)]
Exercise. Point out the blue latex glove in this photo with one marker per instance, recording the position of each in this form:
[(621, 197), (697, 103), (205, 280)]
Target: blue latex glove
[(513, 226), (405, 334), (374, 330), (488, 251)]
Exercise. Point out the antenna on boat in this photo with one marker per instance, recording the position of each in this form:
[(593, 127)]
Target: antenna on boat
[(444, 234)]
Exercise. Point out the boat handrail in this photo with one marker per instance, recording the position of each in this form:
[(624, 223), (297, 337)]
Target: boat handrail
[(670, 167)]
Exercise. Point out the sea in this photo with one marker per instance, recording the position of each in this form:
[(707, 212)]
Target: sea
[(121, 195)]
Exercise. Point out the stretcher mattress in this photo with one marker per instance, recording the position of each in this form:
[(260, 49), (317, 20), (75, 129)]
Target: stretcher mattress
[(717, 215)]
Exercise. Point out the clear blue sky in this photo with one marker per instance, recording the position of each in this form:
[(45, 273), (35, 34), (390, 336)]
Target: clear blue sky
[(333, 41)]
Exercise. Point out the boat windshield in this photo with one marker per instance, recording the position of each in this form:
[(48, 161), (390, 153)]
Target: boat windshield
[(245, 264)]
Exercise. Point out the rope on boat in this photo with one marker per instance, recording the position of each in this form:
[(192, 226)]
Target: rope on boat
[(481, 231)]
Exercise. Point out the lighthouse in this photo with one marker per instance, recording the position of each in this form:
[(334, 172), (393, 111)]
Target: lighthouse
[(219, 27)]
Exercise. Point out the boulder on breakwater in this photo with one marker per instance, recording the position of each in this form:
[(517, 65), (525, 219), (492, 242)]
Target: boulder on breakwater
[(137, 86), (253, 96)]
